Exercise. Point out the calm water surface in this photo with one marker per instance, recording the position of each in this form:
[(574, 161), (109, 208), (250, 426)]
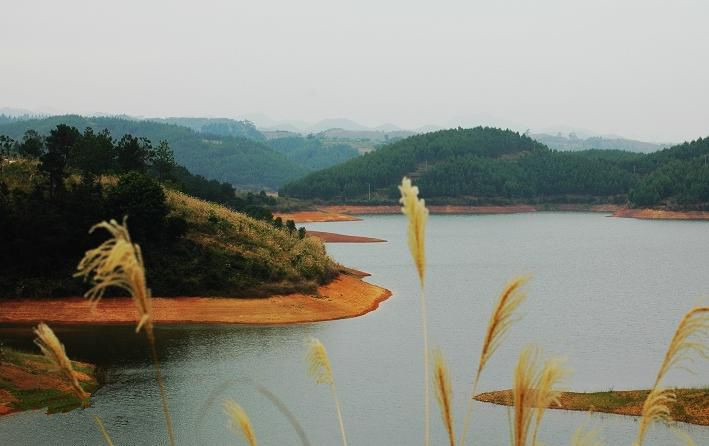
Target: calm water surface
[(606, 293)]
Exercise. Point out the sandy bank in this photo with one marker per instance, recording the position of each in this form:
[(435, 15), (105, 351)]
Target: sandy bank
[(433, 209), (658, 214), (692, 405), (347, 296), (314, 216), (331, 237), (346, 212)]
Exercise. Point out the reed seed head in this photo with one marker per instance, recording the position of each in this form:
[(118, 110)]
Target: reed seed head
[(239, 419), (417, 214), (54, 351), (117, 262), (689, 338), (533, 391), (444, 393), (502, 317), (319, 363), (655, 408)]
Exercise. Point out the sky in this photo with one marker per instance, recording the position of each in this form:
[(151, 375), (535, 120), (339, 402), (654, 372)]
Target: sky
[(637, 68)]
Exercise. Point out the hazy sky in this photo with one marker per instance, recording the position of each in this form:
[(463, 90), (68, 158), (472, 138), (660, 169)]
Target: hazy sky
[(638, 68)]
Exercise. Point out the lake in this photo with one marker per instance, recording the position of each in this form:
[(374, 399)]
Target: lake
[(607, 294)]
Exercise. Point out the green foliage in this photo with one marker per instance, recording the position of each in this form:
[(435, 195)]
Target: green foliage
[(233, 159), (143, 201), (312, 152), (133, 154), (92, 153), (190, 247), (491, 166), (217, 126)]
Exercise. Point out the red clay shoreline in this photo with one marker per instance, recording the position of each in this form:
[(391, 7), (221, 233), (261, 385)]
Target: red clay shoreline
[(331, 237), (345, 297), (335, 213)]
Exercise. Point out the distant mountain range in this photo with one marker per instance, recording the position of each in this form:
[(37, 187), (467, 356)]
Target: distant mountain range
[(572, 142), (260, 127)]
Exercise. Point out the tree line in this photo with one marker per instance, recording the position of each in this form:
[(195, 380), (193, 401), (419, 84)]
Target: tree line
[(493, 166), (53, 188)]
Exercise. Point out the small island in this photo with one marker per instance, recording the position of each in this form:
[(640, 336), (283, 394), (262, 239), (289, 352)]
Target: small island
[(692, 405), (29, 382)]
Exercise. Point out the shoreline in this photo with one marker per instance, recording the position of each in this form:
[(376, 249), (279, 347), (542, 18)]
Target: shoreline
[(659, 214), (692, 405), (345, 297), (335, 213), (331, 237)]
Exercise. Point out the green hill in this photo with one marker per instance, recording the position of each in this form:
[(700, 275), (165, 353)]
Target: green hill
[(217, 126), (492, 166), (236, 160), (313, 153), (191, 247), (572, 142)]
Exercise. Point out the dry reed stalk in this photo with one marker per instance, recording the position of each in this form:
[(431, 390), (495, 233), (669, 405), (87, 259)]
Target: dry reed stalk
[(54, 351), (687, 339), (502, 318), (417, 215), (546, 394), (103, 430), (237, 416), (320, 369), (444, 393), (533, 384), (118, 262)]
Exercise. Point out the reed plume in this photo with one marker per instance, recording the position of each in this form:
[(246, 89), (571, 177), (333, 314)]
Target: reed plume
[(444, 393), (118, 262), (546, 394), (533, 385), (320, 369), (502, 318), (687, 339), (54, 351), (417, 214), (237, 416), (655, 408)]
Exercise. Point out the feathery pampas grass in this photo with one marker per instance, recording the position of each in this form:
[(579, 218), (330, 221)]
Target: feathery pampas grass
[(118, 262), (320, 369), (237, 416), (687, 339), (502, 318), (444, 393), (533, 391), (417, 214), (54, 351)]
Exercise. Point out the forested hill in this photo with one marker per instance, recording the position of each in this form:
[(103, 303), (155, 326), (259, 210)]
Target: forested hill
[(491, 166), (236, 160), (217, 126), (572, 142)]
